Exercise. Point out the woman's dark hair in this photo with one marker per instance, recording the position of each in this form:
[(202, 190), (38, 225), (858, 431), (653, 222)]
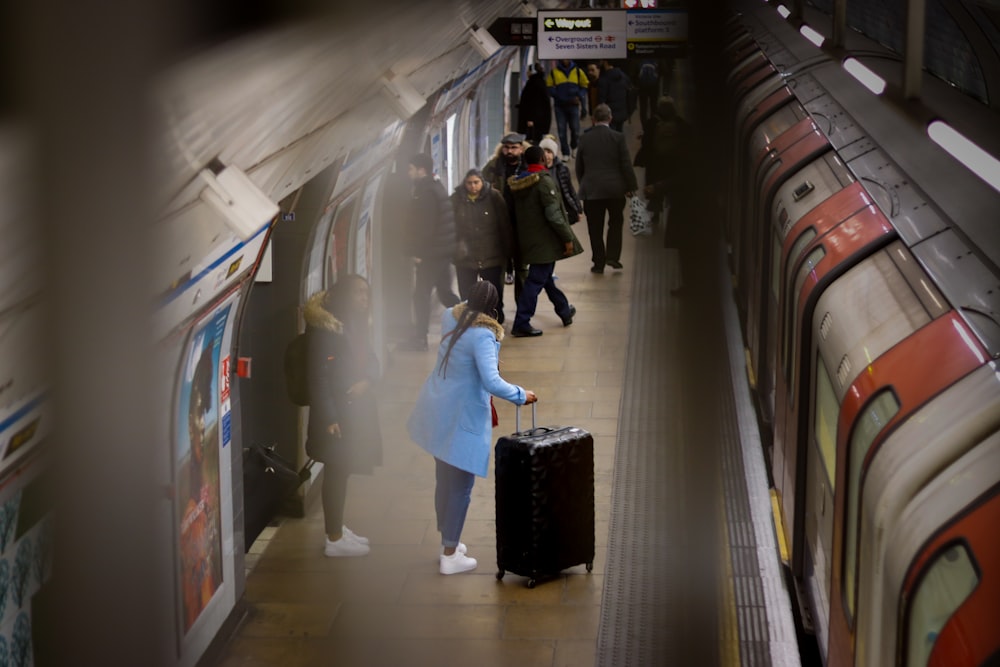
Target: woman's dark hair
[(483, 299), (474, 172)]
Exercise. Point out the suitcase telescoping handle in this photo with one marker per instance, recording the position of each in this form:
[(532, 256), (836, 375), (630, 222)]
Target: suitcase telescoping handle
[(517, 418)]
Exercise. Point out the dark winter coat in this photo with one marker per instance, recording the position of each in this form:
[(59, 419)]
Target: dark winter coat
[(571, 202), (430, 233), (482, 228), (603, 164), (535, 105), (337, 360), (542, 228), (612, 89)]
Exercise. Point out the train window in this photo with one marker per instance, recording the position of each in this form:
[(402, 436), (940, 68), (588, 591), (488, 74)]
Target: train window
[(770, 129), (870, 422), (791, 307), (826, 412), (946, 583)]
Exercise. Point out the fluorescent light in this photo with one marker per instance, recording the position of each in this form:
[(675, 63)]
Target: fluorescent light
[(812, 35), (784, 11), (984, 165), (868, 78)]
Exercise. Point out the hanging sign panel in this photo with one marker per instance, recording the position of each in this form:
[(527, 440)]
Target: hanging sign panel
[(581, 34), (656, 32)]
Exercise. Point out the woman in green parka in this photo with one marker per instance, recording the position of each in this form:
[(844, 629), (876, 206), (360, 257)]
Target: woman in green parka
[(545, 237)]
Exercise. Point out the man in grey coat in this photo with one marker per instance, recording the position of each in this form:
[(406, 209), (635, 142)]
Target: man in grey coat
[(604, 170)]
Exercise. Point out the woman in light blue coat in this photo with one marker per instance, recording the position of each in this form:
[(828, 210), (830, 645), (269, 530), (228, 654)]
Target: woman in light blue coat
[(452, 419)]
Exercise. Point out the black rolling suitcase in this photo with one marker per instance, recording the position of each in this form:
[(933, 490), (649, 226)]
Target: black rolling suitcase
[(544, 500)]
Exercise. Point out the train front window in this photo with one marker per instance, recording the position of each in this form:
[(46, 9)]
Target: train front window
[(947, 581), (827, 411), (870, 423)]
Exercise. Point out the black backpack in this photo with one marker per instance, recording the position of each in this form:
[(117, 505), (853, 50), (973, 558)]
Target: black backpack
[(297, 369)]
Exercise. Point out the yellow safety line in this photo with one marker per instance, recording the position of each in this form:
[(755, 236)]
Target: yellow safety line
[(729, 630), (751, 376), (779, 525)]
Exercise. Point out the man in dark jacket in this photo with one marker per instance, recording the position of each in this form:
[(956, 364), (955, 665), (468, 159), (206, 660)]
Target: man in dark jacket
[(534, 108), (430, 239), (545, 236), (506, 162), (604, 170), (613, 90)]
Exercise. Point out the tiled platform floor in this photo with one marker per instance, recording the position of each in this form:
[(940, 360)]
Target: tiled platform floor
[(392, 607)]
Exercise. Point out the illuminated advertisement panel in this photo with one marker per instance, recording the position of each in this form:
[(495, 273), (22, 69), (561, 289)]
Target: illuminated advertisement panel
[(201, 418)]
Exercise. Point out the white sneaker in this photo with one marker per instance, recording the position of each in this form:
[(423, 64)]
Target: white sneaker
[(461, 548), (345, 547), (457, 562), (351, 535)]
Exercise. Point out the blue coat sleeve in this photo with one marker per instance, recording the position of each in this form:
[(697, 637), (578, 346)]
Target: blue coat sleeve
[(487, 362)]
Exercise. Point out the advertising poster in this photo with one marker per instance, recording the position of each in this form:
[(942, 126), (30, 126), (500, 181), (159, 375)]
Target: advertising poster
[(197, 509)]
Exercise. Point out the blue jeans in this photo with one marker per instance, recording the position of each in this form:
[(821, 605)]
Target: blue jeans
[(451, 501), (539, 278), (568, 115)]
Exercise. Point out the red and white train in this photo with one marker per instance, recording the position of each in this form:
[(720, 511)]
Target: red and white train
[(865, 262)]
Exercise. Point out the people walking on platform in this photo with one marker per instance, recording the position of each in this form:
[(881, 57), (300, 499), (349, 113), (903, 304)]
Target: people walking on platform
[(649, 90), (594, 76), (534, 108), (670, 179), (452, 418), (430, 238), (654, 144), (507, 161), (604, 171), (343, 431), (483, 236), (560, 171), (545, 237), (568, 86), (613, 90)]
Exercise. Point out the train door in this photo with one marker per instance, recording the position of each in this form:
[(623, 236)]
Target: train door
[(951, 599), (863, 315), (814, 184)]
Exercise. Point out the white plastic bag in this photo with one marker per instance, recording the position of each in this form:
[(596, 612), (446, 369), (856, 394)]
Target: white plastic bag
[(640, 221)]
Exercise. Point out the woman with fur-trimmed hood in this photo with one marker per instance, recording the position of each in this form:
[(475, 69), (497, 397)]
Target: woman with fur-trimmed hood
[(343, 416), (451, 419)]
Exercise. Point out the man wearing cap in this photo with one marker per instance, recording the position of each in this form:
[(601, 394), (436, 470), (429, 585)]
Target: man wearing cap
[(545, 237), (506, 162)]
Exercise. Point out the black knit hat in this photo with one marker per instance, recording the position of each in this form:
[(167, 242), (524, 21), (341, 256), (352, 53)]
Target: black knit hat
[(534, 155)]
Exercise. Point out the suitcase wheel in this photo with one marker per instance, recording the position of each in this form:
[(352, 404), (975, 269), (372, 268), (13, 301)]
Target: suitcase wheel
[(500, 575), (590, 567), (531, 583)]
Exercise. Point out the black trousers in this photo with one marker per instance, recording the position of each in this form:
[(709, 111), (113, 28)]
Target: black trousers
[(432, 274), (596, 209)]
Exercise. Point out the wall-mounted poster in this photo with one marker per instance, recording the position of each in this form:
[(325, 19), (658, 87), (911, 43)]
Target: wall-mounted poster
[(198, 488)]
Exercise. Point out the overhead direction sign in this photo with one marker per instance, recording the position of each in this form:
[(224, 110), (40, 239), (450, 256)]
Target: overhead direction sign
[(651, 32), (581, 34)]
